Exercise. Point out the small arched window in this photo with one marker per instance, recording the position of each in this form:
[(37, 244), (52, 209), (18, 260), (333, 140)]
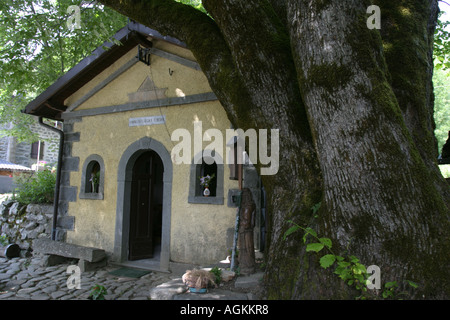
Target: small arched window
[(93, 178), (207, 179), (199, 181)]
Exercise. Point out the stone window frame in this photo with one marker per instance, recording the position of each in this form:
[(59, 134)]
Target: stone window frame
[(87, 166), (194, 183)]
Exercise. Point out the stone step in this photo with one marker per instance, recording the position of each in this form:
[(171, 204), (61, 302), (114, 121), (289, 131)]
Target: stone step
[(68, 250)]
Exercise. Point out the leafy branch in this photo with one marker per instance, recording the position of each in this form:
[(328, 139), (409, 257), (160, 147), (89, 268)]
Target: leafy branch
[(441, 46), (348, 268), (391, 289)]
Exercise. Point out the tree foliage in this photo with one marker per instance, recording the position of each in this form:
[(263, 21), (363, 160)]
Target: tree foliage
[(442, 40), (38, 45), (38, 187), (441, 81), (441, 77)]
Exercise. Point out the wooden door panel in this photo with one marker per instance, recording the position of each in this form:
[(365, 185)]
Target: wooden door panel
[(141, 229)]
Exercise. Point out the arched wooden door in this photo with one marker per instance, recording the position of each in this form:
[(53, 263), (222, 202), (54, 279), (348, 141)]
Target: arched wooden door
[(146, 206)]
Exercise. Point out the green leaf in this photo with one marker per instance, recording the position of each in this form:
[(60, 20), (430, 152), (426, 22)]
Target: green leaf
[(327, 260), (359, 277), (316, 207), (290, 231), (392, 284), (343, 273), (412, 284), (326, 242), (309, 231), (359, 268), (344, 264), (316, 247)]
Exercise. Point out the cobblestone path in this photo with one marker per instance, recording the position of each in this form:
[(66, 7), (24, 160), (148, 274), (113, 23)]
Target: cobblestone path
[(25, 279)]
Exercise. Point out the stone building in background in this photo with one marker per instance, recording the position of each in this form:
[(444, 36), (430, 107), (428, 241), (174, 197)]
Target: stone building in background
[(15, 154)]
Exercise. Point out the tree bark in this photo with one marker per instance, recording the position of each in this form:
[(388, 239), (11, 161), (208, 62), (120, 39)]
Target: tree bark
[(353, 135), (407, 33), (381, 203)]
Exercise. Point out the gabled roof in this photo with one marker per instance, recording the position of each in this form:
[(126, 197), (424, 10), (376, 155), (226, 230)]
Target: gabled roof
[(50, 103)]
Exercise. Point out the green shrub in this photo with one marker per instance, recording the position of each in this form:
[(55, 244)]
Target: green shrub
[(4, 240), (217, 273), (36, 188), (97, 292)]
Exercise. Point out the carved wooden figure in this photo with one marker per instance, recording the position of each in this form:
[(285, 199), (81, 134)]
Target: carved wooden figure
[(246, 224)]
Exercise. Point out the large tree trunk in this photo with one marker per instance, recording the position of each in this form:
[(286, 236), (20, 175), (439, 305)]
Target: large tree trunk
[(351, 134), (381, 202)]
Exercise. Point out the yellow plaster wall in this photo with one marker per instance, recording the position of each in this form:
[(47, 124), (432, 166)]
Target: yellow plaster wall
[(198, 231), (168, 47), (180, 81)]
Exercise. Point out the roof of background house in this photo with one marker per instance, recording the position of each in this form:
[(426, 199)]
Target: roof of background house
[(8, 166), (50, 103)]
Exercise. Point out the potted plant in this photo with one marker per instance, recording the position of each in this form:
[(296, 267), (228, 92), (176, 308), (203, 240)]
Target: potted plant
[(199, 281), (204, 182)]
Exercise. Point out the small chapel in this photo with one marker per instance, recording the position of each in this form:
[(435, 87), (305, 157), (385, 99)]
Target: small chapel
[(121, 188)]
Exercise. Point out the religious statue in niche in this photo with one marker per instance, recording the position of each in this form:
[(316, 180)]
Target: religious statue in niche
[(246, 224)]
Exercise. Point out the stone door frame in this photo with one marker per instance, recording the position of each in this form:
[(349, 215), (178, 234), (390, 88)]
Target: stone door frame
[(124, 178)]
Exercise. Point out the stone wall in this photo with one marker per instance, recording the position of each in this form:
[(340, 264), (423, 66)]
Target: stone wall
[(23, 224)]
